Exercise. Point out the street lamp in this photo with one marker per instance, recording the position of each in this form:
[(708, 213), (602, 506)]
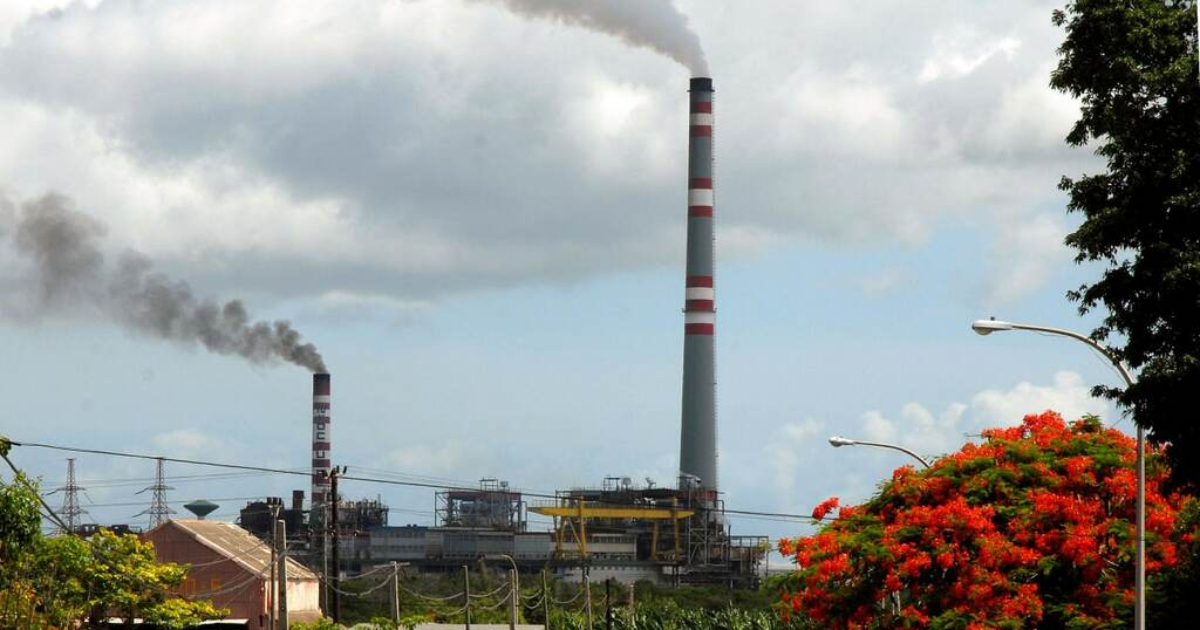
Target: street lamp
[(839, 441), (989, 326), (514, 586)]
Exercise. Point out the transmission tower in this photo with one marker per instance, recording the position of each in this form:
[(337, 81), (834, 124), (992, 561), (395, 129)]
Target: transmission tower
[(71, 511), (158, 510)]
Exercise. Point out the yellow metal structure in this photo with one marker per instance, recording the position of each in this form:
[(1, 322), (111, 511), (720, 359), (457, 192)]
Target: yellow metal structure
[(638, 513), (573, 515)]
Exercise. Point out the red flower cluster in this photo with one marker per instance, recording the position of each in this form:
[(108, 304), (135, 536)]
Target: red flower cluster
[(1031, 527), (823, 508)]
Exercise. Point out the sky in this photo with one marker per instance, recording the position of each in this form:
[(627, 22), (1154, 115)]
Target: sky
[(477, 216)]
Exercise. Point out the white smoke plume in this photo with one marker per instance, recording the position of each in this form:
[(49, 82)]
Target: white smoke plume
[(653, 24), (68, 274)]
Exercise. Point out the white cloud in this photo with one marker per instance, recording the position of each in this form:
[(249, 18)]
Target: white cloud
[(1069, 395), (919, 429), (878, 428), (416, 149), (188, 443), (884, 282), (1025, 256), (961, 52), (783, 455), (449, 458), (802, 431)]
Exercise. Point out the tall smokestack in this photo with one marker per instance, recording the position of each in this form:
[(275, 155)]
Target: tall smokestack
[(322, 449), (698, 433)]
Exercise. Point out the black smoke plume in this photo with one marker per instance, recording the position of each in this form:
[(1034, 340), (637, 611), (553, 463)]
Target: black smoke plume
[(69, 274)]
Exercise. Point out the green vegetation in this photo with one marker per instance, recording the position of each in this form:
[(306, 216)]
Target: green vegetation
[(68, 582), (1133, 65), (667, 615), (439, 599)]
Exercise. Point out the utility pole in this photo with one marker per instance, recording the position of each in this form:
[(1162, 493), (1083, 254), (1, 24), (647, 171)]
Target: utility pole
[(271, 592), (633, 606), (608, 604), (158, 510), (320, 529), (514, 597), (396, 592), (587, 588), (335, 569), (545, 599), (467, 594), (70, 509), (281, 557)]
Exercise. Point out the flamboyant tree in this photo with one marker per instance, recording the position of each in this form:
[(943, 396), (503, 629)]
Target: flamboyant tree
[(1033, 527)]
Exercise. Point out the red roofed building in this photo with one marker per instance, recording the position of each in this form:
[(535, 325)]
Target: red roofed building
[(232, 568)]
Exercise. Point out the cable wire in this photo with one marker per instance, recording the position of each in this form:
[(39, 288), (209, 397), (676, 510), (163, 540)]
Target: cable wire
[(225, 589), (489, 594), (51, 513), (499, 603), (431, 598), (359, 595), (578, 594), (229, 558), (418, 484)]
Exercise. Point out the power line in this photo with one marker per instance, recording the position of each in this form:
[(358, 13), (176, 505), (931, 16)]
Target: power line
[(4, 443), (137, 481), (394, 482), (171, 502)]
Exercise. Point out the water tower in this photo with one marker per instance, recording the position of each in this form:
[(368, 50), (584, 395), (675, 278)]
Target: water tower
[(201, 508)]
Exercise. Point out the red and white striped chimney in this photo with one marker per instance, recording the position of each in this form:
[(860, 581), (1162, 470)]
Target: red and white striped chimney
[(698, 429), (322, 448)]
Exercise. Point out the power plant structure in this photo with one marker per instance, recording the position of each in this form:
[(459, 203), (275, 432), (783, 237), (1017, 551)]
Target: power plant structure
[(619, 530), (698, 426), (322, 438)]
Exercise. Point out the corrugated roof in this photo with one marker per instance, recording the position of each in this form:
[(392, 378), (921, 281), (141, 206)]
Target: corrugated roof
[(239, 545)]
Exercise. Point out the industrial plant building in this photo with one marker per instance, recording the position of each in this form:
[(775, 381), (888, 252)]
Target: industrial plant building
[(232, 568), (663, 534), (629, 533)]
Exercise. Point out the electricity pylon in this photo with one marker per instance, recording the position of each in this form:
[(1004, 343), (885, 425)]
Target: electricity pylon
[(71, 510), (159, 511)]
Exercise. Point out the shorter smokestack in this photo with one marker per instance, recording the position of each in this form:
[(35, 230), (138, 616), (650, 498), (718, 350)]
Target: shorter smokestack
[(322, 438), (297, 500)]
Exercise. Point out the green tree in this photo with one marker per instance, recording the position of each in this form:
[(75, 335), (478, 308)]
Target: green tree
[(1133, 65), (123, 576), (62, 581)]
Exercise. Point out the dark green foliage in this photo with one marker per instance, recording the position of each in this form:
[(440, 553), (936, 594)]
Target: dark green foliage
[(1172, 595), (19, 527), (667, 615), (68, 582), (1133, 64), (658, 607), (703, 597)]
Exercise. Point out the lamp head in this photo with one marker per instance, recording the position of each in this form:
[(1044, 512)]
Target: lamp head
[(838, 440), (989, 326)]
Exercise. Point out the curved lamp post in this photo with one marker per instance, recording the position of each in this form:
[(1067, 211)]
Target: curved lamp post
[(838, 441), (989, 326), (514, 603)]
